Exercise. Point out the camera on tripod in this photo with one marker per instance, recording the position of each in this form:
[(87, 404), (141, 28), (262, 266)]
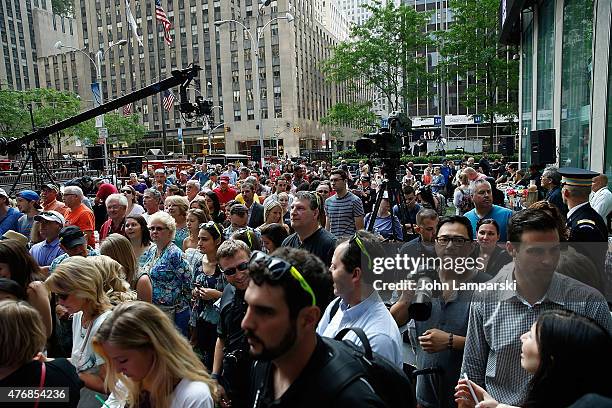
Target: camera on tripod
[(420, 307), (387, 143)]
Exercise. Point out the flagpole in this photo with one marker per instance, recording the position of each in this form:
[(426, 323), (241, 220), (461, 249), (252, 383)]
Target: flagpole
[(161, 95)]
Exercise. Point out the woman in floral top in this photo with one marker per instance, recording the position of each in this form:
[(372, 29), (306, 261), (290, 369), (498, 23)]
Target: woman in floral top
[(177, 207), (209, 283), (169, 272)]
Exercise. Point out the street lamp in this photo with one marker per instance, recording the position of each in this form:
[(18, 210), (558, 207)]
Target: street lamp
[(211, 130), (289, 17), (99, 57)]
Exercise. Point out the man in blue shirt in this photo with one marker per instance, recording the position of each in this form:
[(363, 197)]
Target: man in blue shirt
[(8, 215), (28, 204), (44, 252), (484, 209)]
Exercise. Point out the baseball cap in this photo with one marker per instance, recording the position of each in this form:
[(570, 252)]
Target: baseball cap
[(50, 216), (10, 234), (72, 236), (105, 190), (29, 195), (224, 178), (51, 186), (3, 193), (365, 178)]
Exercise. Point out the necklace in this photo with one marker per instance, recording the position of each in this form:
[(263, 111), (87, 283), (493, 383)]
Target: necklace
[(85, 329)]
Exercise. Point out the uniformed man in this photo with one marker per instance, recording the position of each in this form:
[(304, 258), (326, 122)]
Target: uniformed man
[(588, 231)]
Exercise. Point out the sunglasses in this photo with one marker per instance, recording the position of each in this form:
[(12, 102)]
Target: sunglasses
[(278, 268), (210, 225), (62, 296), (157, 228), (240, 267), (126, 191), (362, 248)]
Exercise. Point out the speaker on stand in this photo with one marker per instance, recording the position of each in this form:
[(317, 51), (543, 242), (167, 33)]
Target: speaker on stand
[(543, 147)]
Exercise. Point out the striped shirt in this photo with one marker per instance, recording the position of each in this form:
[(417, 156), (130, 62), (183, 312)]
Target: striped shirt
[(341, 213), (497, 320)]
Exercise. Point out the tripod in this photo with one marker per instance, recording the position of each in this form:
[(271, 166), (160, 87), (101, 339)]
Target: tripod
[(37, 164), (394, 191)]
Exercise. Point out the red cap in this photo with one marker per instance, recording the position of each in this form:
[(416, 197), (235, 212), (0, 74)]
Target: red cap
[(105, 190), (224, 178)]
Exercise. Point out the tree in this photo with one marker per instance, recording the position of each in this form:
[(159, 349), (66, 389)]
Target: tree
[(354, 114), (124, 128), (48, 107), (386, 53), (471, 46), (63, 7)]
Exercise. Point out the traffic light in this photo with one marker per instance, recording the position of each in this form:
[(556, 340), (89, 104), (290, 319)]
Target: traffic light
[(228, 129), (296, 129)]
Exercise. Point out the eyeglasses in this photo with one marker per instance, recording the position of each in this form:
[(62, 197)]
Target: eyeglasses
[(153, 229), (127, 191), (457, 241), (209, 225), (279, 267), (362, 248), (243, 266), (62, 296)]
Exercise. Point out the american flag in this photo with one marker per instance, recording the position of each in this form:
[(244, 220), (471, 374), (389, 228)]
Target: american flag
[(168, 101), (160, 15), (127, 109)]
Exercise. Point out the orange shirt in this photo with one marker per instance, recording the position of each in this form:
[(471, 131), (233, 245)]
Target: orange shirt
[(83, 218), (56, 206)]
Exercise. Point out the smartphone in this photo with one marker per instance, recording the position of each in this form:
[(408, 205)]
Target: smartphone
[(471, 388)]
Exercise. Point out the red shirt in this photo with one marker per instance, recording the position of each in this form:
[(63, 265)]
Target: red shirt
[(107, 229), (225, 196)]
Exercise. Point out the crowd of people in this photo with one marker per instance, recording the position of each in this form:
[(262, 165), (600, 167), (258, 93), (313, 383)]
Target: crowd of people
[(225, 285)]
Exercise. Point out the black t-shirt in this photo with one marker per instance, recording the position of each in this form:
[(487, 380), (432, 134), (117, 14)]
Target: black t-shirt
[(302, 393), (233, 310), (322, 244), (60, 373)]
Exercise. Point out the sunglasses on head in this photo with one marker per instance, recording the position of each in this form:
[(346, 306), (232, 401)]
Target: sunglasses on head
[(243, 266), (278, 268), (362, 248), (210, 225)]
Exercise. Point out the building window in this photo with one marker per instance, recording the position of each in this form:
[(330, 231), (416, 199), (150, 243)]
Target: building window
[(546, 65), (527, 87), (576, 83), (236, 116)]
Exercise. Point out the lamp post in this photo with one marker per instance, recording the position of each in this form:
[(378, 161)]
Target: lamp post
[(99, 57), (255, 39)]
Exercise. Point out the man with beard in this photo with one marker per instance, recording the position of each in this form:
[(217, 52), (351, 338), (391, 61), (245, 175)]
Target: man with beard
[(231, 365), (285, 297)]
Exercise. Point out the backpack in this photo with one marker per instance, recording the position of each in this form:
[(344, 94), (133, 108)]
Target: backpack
[(466, 204), (349, 363)]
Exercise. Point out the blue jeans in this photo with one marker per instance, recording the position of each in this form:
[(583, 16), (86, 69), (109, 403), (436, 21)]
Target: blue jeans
[(181, 321)]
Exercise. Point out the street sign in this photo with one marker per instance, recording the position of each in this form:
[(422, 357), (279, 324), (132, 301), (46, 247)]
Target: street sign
[(179, 132), (102, 135), (384, 123), (477, 118), (437, 120)]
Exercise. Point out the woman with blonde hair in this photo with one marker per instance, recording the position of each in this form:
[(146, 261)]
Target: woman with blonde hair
[(273, 214), (149, 362), (79, 287), (177, 207), (169, 272), (113, 275), (22, 340)]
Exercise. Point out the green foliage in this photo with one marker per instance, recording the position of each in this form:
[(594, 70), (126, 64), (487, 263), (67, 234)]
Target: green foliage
[(48, 105), (471, 45), (124, 128), (384, 53), (351, 156), (63, 7), (356, 115)]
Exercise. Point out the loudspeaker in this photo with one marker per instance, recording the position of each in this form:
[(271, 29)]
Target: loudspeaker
[(96, 157), (133, 164), (543, 147), (507, 146)]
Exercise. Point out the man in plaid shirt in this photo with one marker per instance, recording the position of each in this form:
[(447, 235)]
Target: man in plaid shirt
[(492, 356)]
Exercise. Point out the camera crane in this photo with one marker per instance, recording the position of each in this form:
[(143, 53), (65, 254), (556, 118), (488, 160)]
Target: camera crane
[(30, 141)]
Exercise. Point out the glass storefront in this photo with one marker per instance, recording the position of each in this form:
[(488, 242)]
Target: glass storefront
[(576, 83), (546, 65), (526, 87)]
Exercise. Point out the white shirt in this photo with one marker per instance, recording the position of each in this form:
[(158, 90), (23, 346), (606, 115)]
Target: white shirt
[(83, 356), (372, 316), (601, 201), (187, 394), (574, 209)]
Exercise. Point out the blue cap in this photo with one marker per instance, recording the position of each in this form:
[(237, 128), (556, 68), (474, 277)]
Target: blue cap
[(29, 195)]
